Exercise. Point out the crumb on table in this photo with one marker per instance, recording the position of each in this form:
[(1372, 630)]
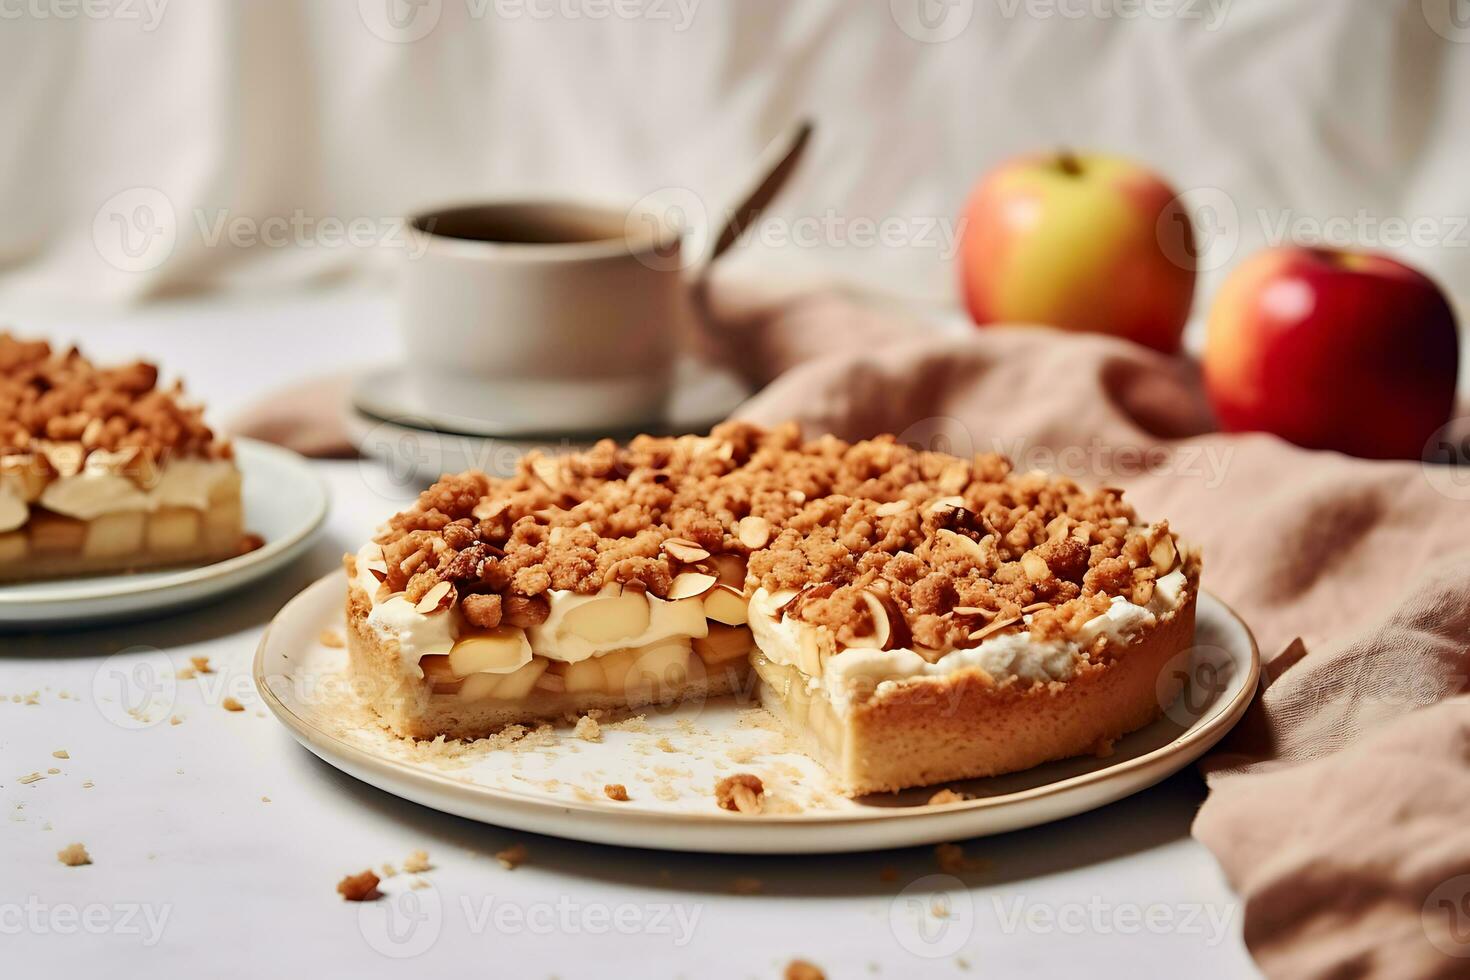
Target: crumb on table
[(951, 860), (512, 857), (803, 970), (746, 886), (74, 855), (616, 791), (201, 664), (230, 704), (416, 862), (361, 887)]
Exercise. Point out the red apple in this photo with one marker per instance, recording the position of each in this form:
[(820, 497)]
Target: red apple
[(1092, 243), (1333, 350)]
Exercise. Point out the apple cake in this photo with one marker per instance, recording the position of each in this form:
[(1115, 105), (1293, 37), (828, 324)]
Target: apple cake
[(914, 617), (101, 470)]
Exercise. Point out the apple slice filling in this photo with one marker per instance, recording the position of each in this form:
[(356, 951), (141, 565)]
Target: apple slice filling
[(618, 644)]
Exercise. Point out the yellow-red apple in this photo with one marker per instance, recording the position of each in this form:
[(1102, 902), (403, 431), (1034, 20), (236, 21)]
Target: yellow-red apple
[(1092, 243), (1333, 350)]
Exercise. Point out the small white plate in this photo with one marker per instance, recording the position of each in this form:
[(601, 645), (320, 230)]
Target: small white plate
[(285, 503), (669, 763), (701, 394)]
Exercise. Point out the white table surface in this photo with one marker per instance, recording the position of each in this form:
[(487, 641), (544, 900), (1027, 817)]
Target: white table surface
[(195, 875)]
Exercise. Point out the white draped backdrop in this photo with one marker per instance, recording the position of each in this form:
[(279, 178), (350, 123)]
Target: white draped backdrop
[(163, 146)]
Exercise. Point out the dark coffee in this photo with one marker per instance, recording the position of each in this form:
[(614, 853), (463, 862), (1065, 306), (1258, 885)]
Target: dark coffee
[(524, 224)]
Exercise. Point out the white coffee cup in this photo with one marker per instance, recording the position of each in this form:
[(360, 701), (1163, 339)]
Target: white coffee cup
[(543, 316)]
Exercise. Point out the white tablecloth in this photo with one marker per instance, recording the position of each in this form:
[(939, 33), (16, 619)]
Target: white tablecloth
[(195, 874)]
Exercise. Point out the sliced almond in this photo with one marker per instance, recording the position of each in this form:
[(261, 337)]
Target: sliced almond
[(1035, 567), (898, 627), (65, 457), (548, 471), (963, 542), (92, 434), (685, 550), (687, 585), (956, 477), (730, 569), (486, 509), (792, 607), (953, 503), (968, 612), (1058, 528), (1035, 607), (1163, 554), (754, 532), (882, 626), (439, 596), (893, 508), (994, 627), (381, 574)]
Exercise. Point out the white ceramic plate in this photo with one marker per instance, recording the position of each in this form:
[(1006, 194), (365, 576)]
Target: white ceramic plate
[(701, 395), (285, 503), (669, 763)]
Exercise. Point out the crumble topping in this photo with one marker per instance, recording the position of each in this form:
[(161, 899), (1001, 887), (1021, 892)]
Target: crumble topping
[(55, 408), (923, 548)]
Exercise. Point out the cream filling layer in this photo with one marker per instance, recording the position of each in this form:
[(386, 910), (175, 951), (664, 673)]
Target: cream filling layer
[(98, 490), (581, 627), (842, 675)]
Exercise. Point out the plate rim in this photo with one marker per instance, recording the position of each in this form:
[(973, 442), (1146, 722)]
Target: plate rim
[(1209, 732), (197, 575)]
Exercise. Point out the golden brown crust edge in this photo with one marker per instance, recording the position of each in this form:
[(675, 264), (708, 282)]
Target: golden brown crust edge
[(966, 727)]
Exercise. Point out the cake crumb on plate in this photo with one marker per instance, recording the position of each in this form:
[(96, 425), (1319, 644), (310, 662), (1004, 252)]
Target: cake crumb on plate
[(741, 793)]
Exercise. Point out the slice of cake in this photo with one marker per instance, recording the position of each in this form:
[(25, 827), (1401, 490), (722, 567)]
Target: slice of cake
[(914, 616), (103, 471)]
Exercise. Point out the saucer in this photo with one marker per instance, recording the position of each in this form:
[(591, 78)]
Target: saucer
[(701, 395)]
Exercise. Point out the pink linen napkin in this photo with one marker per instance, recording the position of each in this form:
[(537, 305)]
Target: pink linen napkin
[(1337, 807)]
